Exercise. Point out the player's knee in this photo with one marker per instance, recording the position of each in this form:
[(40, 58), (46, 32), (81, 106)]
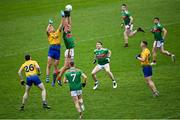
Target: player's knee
[(163, 51), (49, 64), (108, 71), (93, 73)]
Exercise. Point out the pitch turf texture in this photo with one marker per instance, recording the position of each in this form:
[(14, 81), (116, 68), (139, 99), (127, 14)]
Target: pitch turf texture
[(23, 25)]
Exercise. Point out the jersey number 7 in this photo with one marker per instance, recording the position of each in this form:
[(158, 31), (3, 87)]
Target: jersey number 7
[(74, 76)]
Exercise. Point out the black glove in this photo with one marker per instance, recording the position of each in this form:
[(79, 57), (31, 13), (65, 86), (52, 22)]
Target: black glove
[(22, 82), (83, 84), (138, 56), (67, 13), (94, 61)]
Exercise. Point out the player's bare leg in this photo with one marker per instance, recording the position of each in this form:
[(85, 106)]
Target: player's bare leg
[(49, 64), (93, 73), (107, 69), (125, 38), (81, 102), (165, 52), (25, 96), (43, 94), (129, 33), (55, 73), (77, 105), (63, 69), (152, 86), (154, 54)]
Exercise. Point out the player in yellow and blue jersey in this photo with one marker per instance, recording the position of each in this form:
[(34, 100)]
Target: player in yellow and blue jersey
[(144, 58), (54, 38), (32, 72)]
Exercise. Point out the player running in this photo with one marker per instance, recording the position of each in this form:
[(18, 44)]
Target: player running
[(69, 43), (32, 71), (147, 68), (54, 38), (128, 24), (102, 55), (157, 30), (73, 77)]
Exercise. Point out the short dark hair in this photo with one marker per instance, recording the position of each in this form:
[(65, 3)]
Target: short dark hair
[(100, 42), (124, 5), (27, 57), (156, 18), (145, 42), (71, 64)]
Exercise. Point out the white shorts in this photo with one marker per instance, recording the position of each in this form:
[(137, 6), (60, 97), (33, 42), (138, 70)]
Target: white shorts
[(129, 28), (76, 93), (158, 44), (71, 53), (103, 66)]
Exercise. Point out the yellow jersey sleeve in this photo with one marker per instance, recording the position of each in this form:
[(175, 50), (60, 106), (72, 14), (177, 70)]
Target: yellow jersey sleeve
[(55, 38), (22, 67)]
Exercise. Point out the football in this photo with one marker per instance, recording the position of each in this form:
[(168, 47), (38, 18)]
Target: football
[(68, 7)]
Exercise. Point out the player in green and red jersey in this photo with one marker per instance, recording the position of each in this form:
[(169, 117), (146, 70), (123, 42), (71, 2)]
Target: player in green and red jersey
[(69, 43), (157, 30), (73, 77), (102, 55), (128, 24)]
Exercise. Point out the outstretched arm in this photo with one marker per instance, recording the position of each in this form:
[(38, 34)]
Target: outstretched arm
[(47, 29), (60, 25)]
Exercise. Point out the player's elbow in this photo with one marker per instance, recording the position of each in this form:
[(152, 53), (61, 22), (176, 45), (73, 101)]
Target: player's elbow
[(85, 77)]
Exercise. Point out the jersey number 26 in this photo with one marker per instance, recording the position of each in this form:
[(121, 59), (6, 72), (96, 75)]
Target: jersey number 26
[(29, 68)]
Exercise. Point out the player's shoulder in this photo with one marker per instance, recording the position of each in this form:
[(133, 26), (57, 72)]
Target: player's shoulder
[(24, 64), (95, 50), (78, 70), (160, 25), (127, 12), (106, 49)]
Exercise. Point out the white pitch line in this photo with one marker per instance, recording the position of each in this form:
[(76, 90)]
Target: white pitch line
[(99, 37)]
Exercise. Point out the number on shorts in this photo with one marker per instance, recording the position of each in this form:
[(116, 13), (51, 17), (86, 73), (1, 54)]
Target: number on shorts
[(29, 68), (74, 76)]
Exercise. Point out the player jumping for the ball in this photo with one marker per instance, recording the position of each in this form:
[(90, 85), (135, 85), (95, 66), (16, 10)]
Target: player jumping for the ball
[(128, 24), (54, 38), (32, 72), (147, 68), (73, 77), (69, 43), (102, 56), (157, 30)]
